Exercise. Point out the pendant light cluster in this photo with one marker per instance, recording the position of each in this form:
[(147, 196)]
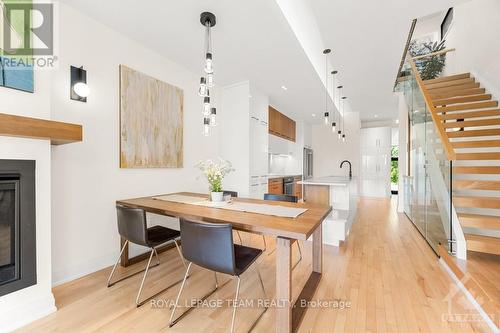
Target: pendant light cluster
[(207, 19), (341, 123), (326, 52)]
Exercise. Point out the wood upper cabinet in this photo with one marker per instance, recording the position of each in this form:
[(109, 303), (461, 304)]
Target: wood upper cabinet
[(281, 126)]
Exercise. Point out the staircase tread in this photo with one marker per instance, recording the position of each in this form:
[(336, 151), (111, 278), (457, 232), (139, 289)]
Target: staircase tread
[(458, 93), (476, 144), (472, 123), (464, 99), (473, 184), (468, 106), (479, 243), (466, 86), (476, 201), (448, 78), (479, 221), (479, 170), (471, 114), (452, 83), (471, 133)]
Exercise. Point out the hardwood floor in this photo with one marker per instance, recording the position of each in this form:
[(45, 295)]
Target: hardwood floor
[(385, 272)]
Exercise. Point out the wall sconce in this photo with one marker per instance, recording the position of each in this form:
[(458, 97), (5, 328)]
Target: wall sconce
[(79, 90)]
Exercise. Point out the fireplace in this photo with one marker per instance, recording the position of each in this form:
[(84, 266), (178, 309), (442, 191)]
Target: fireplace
[(17, 225)]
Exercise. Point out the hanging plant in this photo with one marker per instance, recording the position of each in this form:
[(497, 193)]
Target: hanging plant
[(430, 67)]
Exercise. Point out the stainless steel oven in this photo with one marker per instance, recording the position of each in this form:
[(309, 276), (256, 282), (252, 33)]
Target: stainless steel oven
[(288, 187)]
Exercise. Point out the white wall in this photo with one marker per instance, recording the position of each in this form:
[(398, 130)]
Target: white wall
[(21, 307), (234, 144), (329, 151), (86, 178), (473, 34)]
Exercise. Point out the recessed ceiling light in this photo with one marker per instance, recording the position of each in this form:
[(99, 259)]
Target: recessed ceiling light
[(376, 116), (284, 88), (314, 115), (397, 121)]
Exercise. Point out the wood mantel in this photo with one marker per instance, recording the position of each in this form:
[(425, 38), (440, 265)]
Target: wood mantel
[(57, 132)]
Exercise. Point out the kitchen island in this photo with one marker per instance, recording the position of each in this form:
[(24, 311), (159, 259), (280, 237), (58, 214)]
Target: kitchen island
[(342, 194)]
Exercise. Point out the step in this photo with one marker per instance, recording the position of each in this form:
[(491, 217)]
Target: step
[(470, 114), (483, 244), (472, 123), (448, 78), (471, 133), (456, 93), (447, 84), (484, 185), (476, 144), (476, 202), (478, 156), (479, 221), (468, 106), (465, 99), (477, 170), (466, 86)]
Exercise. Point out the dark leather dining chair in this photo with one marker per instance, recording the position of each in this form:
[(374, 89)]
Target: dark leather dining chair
[(132, 226), (285, 198), (211, 246)]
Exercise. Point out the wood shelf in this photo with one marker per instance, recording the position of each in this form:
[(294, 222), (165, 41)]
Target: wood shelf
[(58, 133)]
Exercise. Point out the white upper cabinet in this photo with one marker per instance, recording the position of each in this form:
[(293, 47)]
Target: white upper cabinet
[(377, 137)]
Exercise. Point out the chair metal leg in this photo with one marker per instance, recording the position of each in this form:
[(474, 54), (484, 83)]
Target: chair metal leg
[(217, 287), (116, 264), (157, 257), (265, 244), (171, 322), (144, 277), (239, 236), (265, 297), (235, 304), (180, 254)]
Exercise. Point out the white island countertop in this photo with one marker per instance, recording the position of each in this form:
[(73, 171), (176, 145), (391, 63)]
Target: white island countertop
[(328, 181)]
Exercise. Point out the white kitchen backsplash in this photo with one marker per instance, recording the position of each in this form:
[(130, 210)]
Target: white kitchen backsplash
[(285, 165)]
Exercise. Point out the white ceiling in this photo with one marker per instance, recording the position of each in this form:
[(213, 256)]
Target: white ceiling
[(253, 41), (368, 38)]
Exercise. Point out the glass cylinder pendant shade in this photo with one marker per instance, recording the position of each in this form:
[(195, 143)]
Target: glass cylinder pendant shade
[(343, 137), (206, 107), (208, 64), (334, 127), (202, 91), (327, 118), (206, 126), (210, 80), (213, 117), (340, 134)]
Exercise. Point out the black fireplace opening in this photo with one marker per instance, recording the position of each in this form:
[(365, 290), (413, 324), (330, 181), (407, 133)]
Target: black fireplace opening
[(17, 225)]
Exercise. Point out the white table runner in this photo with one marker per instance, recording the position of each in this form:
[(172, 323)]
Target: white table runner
[(274, 210)]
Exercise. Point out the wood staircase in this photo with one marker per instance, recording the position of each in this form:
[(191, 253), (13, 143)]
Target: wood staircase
[(471, 121)]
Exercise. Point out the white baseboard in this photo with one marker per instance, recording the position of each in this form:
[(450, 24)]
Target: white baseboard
[(21, 315)]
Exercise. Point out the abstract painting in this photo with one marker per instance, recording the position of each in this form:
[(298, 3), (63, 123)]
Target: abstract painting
[(151, 122)]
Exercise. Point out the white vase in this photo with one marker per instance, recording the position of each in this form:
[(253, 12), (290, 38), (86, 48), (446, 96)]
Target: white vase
[(217, 196)]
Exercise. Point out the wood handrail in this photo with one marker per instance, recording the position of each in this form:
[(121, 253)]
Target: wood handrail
[(450, 152), (433, 54)]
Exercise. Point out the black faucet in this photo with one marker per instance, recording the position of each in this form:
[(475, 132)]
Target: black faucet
[(350, 167)]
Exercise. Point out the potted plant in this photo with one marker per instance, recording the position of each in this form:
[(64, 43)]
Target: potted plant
[(215, 171), (429, 67)]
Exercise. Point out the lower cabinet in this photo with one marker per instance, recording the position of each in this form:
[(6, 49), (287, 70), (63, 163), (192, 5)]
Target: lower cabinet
[(275, 186), (297, 188)]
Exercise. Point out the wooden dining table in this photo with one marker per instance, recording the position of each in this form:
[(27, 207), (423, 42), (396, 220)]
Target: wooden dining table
[(286, 230)]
